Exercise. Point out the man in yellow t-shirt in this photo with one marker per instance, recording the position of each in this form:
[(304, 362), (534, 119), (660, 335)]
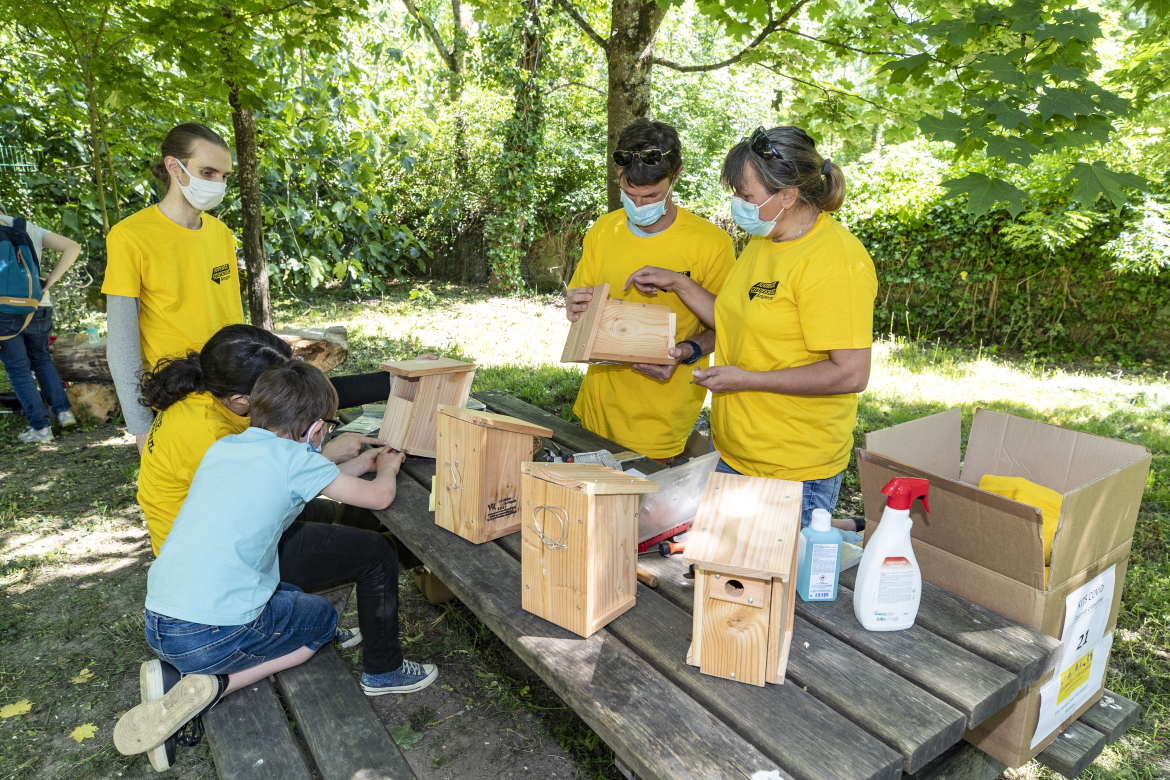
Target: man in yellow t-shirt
[(649, 409)]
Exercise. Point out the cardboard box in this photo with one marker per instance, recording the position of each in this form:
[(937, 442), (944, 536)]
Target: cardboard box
[(988, 549)]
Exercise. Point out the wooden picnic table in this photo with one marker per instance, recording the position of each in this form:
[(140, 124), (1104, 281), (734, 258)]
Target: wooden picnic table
[(855, 705)]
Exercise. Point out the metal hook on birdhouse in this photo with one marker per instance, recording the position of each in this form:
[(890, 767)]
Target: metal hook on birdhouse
[(456, 474), (563, 517)]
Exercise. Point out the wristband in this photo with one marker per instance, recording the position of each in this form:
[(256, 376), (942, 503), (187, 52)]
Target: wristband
[(694, 358)]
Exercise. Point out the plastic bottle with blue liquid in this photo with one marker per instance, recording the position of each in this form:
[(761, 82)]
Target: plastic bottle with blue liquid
[(819, 559)]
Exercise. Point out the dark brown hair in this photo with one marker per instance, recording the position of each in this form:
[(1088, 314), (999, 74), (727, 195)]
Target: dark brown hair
[(228, 364), (800, 166), (647, 134), (180, 144), (291, 397)]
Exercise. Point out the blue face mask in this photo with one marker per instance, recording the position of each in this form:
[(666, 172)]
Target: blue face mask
[(647, 213), (747, 216)]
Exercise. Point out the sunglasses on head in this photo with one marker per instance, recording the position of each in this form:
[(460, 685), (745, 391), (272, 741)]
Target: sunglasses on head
[(330, 427), (764, 146), (623, 157)]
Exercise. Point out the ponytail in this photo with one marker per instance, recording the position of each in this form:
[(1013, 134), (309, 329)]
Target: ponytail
[(229, 364), (180, 144)]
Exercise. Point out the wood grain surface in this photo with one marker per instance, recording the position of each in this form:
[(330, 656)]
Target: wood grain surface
[(251, 739), (1073, 751)]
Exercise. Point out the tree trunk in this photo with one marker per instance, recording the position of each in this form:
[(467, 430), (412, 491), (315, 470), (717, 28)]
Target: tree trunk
[(633, 32), (248, 176), (95, 150)]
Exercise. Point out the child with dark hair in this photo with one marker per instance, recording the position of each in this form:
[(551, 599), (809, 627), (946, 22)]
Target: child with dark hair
[(217, 611)]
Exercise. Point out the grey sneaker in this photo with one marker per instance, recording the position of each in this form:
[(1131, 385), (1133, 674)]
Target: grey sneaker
[(33, 436), (66, 418), (348, 637), (408, 678)]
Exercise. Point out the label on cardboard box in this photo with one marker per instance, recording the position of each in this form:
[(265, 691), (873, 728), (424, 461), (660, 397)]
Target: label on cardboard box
[(1086, 651)]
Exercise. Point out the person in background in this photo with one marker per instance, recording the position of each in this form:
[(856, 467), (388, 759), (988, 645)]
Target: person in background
[(25, 350), (651, 409), (793, 322), (172, 279), (220, 612)]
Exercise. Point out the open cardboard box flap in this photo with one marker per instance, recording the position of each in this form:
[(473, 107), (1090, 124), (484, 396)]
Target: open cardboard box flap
[(1102, 481)]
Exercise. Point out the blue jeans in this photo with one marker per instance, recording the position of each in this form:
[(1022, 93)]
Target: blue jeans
[(292, 619), (27, 354), (818, 494)]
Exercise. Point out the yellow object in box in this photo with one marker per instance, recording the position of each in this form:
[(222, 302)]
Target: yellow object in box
[(1027, 492)]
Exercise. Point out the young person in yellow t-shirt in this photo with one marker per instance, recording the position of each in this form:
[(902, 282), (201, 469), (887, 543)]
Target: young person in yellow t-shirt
[(648, 408), (793, 322), (171, 277)]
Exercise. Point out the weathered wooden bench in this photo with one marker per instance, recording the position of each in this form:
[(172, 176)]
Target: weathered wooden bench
[(854, 706), (254, 732)]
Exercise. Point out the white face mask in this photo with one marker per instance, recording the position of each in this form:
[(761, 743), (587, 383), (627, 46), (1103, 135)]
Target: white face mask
[(200, 193)]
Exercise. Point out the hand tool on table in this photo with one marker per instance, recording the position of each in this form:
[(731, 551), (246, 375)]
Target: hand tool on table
[(646, 578)]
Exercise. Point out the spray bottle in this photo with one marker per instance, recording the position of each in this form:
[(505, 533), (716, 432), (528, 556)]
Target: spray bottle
[(819, 559), (889, 583)]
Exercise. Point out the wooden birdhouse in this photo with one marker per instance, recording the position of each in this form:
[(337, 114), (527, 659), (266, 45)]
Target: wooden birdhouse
[(616, 331), (744, 542), (417, 390), (579, 554), (477, 471)]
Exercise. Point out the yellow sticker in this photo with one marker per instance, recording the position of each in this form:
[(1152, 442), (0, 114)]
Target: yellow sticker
[(1075, 676)]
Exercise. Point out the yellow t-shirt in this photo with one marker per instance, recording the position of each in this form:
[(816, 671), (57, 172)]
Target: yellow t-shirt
[(178, 439), (185, 280), (617, 402), (786, 305), (1047, 500)]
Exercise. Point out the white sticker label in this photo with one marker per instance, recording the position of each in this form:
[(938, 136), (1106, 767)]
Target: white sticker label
[(822, 571), (1086, 613), (1072, 687)]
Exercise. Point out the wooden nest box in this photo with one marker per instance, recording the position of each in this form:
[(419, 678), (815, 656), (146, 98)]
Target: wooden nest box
[(477, 474), (744, 542), (616, 331), (579, 551), (417, 390)]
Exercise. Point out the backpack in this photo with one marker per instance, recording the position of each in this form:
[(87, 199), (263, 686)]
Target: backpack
[(20, 283)]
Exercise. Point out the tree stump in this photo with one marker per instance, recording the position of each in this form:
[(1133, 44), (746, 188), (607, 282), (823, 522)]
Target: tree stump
[(97, 399), (326, 349)]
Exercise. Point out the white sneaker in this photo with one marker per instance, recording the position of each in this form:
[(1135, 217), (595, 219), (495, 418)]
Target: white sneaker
[(66, 418), (32, 436)]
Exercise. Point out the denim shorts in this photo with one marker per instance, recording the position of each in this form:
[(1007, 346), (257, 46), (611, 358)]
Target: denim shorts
[(291, 620)]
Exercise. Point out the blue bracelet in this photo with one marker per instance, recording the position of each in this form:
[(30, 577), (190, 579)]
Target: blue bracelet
[(698, 353)]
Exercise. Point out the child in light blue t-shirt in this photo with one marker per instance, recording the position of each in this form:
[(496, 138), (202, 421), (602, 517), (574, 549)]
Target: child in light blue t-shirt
[(215, 607)]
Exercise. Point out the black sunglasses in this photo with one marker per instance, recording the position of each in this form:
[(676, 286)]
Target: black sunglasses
[(623, 157), (764, 146), (330, 427)]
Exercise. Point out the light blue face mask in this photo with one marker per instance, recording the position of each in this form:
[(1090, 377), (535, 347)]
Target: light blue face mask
[(747, 216), (647, 213)]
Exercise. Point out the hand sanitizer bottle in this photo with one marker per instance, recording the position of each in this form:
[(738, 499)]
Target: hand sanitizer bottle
[(818, 559), (889, 583)]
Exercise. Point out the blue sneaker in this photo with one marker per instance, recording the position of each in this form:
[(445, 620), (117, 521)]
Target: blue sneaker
[(348, 637), (408, 678)]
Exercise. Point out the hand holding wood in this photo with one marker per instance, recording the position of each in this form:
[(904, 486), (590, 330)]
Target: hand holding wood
[(663, 373), (577, 302), (389, 461)]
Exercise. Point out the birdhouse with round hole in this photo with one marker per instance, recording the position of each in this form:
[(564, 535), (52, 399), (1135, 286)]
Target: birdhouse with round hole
[(579, 548), (417, 389), (477, 471), (615, 331), (743, 542)]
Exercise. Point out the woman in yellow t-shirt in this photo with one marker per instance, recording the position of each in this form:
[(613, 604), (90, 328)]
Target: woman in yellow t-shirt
[(793, 322)]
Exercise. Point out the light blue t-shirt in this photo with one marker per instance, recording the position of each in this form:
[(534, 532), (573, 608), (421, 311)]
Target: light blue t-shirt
[(218, 565)]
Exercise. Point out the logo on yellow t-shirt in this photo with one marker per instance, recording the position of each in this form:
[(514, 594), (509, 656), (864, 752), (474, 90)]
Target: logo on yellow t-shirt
[(765, 290), (220, 272)]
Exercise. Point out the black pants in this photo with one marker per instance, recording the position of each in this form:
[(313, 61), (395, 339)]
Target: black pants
[(314, 553), (358, 389)]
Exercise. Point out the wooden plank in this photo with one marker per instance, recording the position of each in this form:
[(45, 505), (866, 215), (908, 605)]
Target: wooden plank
[(492, 420), (963, 761), (500, 498), (974, 686), (589, 478), (251, 738), (396, 418), (735, 636), (1112, 715), (1073, 751), (567, 435), (345, 737), (807, 738), (990, 635), (612, 559), (434, 390), (747, 526), (460, 464), (631, 332), (416, 368), (891, 708), (579, 343), (554, 580), (653, 726)]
